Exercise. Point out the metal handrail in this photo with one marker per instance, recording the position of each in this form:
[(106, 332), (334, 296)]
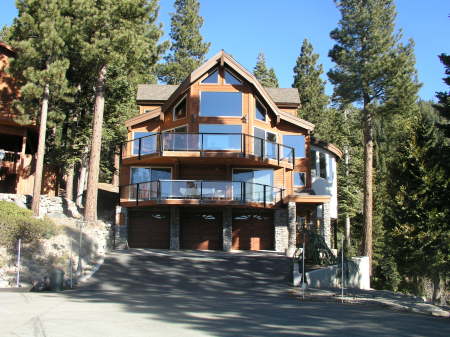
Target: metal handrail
[(159, 145)]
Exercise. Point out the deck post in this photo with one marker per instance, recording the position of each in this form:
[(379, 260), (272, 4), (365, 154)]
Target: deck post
[(227, 229), (174, 228), (292, 224)]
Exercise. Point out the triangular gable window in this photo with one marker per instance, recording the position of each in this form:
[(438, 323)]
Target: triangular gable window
[(212, 78), (231, 79)]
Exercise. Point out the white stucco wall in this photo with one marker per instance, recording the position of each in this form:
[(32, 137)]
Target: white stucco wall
[(326, 186)]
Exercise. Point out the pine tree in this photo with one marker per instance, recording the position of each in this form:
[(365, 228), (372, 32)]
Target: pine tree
[(372, 68), (311, 88), (443, 106), (38, 34), (110, 34), (188, 50), (264, 75)]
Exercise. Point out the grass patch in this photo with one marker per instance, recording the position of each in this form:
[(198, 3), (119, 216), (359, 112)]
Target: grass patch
[(18, 223)]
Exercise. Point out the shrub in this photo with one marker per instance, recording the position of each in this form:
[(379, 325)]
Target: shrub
[(18, 223)]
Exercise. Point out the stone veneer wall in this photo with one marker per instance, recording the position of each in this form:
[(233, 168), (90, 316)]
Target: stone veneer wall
[(227, 230), (280, 219)]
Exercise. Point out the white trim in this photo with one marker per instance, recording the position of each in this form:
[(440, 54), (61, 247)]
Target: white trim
[(175, 107), (200, 104)]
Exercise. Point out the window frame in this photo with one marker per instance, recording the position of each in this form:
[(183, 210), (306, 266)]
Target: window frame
[(174, 118)]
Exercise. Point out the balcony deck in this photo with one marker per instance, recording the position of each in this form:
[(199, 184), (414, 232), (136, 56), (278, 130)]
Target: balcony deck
[(163, 148), (200, 192)]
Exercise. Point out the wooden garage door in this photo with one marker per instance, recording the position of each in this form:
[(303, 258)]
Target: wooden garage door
[(253, 230), (201, 229), (148, 228)]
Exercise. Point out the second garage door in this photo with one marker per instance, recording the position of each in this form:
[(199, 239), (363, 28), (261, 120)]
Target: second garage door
[(253, 230), (201, 229), (148, 228)]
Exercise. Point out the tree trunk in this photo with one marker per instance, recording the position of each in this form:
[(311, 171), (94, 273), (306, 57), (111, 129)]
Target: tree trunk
[(81, 183), (368, 185), (40, 152), (90, 211), (439, 290), (69, 183), (115, 178)]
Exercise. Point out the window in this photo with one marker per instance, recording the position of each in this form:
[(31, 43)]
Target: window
[(297, 142), (254, 180), (260, 111), (212, 78), (231, 79), (230, 140), (145, 174), (148, 142), (264, 143), (299, 179), (214, 104), (323, 165), (176, 139), (179, 111), (313, 163)]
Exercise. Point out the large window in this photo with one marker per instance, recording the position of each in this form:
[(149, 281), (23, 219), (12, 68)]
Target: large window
[(215, 104), (264, 143), (144, 174), (148, 142), (175, 139), (297, 142), (221, 136), (253, 184)]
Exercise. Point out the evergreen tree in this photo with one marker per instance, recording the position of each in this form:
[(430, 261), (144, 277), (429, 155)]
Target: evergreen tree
[(311, 87), (38, 34), (110, 35), (443, 106), (264, 75), (418, 219), (188, 50), (375, 70)]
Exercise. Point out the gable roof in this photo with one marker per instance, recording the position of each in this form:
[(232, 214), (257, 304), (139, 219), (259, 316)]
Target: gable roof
[(162, 92), (223, 58)]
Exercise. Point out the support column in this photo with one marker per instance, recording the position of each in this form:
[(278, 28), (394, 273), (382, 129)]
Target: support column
[(121, 228), (292, 224), (174, 228), (280, 222), (325, 230), (227, 218)]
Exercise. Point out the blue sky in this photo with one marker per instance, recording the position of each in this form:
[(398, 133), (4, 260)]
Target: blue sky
[(245, 27)]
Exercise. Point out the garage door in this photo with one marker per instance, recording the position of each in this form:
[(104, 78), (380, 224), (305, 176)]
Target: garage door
[(148, 229), (201, 229), (253, 230)]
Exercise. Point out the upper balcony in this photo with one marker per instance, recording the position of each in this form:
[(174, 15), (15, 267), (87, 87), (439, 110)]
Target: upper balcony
[(248, 149)]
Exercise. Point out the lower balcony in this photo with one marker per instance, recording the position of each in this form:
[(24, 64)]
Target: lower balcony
[(196, 192)]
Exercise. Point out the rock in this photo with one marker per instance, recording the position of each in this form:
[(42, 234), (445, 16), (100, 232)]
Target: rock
[(41, 285)]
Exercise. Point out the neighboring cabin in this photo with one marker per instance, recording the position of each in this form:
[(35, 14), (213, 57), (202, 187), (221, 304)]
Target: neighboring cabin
[(221, 163), (18, 143)]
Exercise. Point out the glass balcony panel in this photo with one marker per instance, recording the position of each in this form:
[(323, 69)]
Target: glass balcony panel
[(219, 142), (149, 145), (271, 150), (217, 190)]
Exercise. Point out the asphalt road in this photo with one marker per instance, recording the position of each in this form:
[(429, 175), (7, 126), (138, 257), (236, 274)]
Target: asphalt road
[(161, 293)]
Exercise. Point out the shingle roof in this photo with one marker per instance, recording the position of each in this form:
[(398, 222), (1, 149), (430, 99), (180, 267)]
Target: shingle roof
[(158, 92), (155, 92), (284, 95)]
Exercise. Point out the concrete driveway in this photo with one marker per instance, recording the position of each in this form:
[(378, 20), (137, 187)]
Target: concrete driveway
[(161, 293)]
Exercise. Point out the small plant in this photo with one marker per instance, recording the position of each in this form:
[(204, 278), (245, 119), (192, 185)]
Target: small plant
[(18, 223)]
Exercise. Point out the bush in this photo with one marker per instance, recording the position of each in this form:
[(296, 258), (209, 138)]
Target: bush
[(18, 223)]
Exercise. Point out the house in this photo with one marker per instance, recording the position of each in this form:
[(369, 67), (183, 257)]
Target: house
[(222, 163), (18, 142)]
